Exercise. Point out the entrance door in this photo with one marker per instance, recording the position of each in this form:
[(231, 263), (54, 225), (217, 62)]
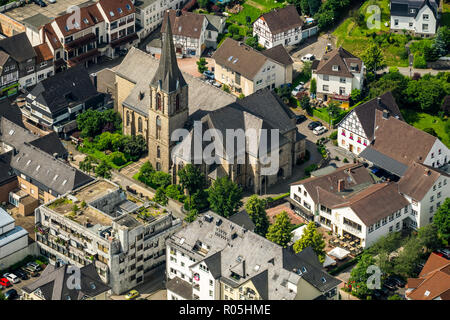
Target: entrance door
[(350, 147)]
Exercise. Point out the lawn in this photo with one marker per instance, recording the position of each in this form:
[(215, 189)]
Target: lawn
[(355, 38), (422, 120), (89, 148), (253, 9)]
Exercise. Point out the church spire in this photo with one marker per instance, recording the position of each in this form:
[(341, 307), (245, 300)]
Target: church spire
[(168, 76)]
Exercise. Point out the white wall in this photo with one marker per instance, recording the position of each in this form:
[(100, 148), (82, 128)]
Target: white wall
[(416, 24), (434, 156)]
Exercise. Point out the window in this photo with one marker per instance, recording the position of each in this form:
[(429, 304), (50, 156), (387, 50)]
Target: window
[(342, 80), (177, 102), (405, 209), (158, 152), (158, 102), (397, 225), (371, 229), (128, 118), (431, 209), (335, 67), (325, 88), (438, 195), (140, 124), (398, 214), (426, 17), (384, 221), (431, 198), (326, 77), (432, 155), (396, 22), (391, 228), (158, 127), (425, 27), (377, 225)]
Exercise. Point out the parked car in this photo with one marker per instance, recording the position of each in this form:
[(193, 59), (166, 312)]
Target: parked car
[(308, 57), (40, 3), (31, 271), (34, 266), (445, 253), (217, 84), (314, 125), (12, 277), (298, 89), (209, 74), (319, 130), (398, 281), (299, 118), (122, 52), (11, 294), (390, 284), (21, 274), (133, 294), (5, 283), (52, 1)]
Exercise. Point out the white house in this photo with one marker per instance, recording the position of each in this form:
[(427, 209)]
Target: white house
[(12, 238), (246, 70), (347, 201), (337, 74), (418, 17), (426, 188), (282, 26)]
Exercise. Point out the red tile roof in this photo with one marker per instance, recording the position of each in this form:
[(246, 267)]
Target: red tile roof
[(43, 52), (117, 7)]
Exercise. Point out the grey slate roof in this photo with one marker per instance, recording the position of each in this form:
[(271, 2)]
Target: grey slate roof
[(180, 287), (403, 7), (11, 112), (18, 47), (168, 76), (278, 54), (265, 263), (71, 86), (52, 284), (383, 161), (7, 174), (15, 135), (51, 144), (47, 170), (243, 219), (215, 23)]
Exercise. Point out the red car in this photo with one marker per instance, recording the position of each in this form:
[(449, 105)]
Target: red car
[(5, 283)]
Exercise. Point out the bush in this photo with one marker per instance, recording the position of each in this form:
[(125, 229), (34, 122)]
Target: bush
[(160, 197), (191, 216), (310, 168), (333, 135), (394, 297), (345, 160), (118, 158), (419, 61), (175, 192)]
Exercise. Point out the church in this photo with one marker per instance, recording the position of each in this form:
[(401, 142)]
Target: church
[(155, 98)]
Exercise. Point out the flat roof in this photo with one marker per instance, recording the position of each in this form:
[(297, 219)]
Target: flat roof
[(5, 218)]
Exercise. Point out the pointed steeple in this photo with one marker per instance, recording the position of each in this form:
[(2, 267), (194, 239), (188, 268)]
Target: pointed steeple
[(168, 77)]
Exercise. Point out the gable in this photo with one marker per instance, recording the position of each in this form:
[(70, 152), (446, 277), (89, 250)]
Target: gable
[(353, 124)]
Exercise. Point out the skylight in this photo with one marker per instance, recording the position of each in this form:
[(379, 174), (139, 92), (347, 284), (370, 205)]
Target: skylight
[(119, 10), (28, 162), (235, 60), (257, 267), (303, 269), (56, 177), (323, 279), (86, 21), (427, 293), (230, 58), (111, 14), (38, 167), (64, 182), (11, 132), (128, 6)]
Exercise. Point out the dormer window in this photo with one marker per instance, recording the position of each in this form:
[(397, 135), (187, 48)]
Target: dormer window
[(335, 68), (412, 11)]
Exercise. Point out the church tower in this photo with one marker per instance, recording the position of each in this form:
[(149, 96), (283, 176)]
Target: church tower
[(168, 104)]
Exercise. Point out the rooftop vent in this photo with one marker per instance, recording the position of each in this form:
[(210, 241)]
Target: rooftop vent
[(385, 114), (208, 218), (178, 12), (219, 222)]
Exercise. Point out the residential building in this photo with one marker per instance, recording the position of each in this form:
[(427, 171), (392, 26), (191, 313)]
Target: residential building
[(53, 285), (426, 188), (123, 235), (189, 32), (337, 74), (347, 202), (150, 14), (12, 238), (247, 70), (283, 26), (54, 103), (22, 64), (213, 258), (356, 129), (433, 282), (418, 17), (171, 99)]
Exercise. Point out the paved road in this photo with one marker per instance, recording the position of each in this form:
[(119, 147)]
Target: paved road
[(407, 72)]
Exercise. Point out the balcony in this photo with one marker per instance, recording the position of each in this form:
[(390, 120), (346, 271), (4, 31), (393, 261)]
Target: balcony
[(124, 40), (350, 229), (340, 97), (84, 57), (89, 38)]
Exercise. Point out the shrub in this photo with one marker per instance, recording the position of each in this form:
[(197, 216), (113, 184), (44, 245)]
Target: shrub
[(160, 197), (336, 158), (118, 158), (345, 160), (175, 192), (333, 135), (191, 216), (419, 61), (310, 168)]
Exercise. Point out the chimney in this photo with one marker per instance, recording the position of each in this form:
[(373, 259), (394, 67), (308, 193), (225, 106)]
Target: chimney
[(341, 185), (379, 102), (385, 114), (141, 95), (178, 12)]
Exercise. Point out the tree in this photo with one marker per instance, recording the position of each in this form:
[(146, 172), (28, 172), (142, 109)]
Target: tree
[(280, 231), (252, 42), (160, 196), (199, 200), (359, 276), (305, 103), (191, 179), (117, 158), (311, 238), (248, 20), (313, 86), (314, 6), (442, 41), (87, 164), (428, 237), (146, 173), (304, 5), (160, 179), (373, 58), (355, 96), (225, 197), (256, 209), (103, 170), (441, 220), (202, 65), (203, 3), (409, 257), (175, 192), (226, 88), (430, 131), (134, 147)]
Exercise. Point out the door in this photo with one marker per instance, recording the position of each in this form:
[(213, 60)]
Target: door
[(350, 147)]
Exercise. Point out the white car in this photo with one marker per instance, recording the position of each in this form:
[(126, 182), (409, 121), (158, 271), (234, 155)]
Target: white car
[(12, 277), (298, 89), (308, 57), (319, 130), (51, 1)]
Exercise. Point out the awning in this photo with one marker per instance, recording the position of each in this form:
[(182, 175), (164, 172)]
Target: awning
[(339, 253), (297, 233), (383, 161), (328, 261), (124, 40)]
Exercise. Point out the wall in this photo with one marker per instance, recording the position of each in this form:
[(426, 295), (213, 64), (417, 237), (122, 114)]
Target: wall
[(10, 27), (31, 249), (6, 189)]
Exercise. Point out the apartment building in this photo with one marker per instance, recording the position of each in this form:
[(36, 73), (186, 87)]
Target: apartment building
[(12, 238), (283, 26), (419, 17), (213, 258), (150, 14), (22, 65), (246, 70), (100, 223), (337, 74), (349, 201), (54, 103), (48, 286)]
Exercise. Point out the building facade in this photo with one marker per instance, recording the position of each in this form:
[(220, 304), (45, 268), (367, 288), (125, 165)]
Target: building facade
[(122, 235), (417, 17)]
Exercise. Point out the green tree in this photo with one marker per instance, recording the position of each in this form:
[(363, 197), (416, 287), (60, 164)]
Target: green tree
[(103, 170), (225, 197), (134, 147), (314, 6), (313, 86), (175, 191), (359, 276), (202, 65), (199, 200), (160, 196), (305, 103), (89, 123), (161, 179), (87, 164), (311, 238), (431, 131), (226, 88), (304, 5), (203, 3), (428, 237), (441, 220), (442, 41), (192, 179), (355, 96), (394, 297), (409, 257), (146, 173), (373, 58), (256, 209), (280, 231), (118, 158), (252, 42), (191, 216)]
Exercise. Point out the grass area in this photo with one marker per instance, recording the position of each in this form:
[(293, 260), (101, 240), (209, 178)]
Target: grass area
[(322, 113), (355, 38), (254, 10), (422, 120)]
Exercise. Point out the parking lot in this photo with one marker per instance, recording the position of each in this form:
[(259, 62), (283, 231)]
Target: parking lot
[(52, 10), (18, 286)]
